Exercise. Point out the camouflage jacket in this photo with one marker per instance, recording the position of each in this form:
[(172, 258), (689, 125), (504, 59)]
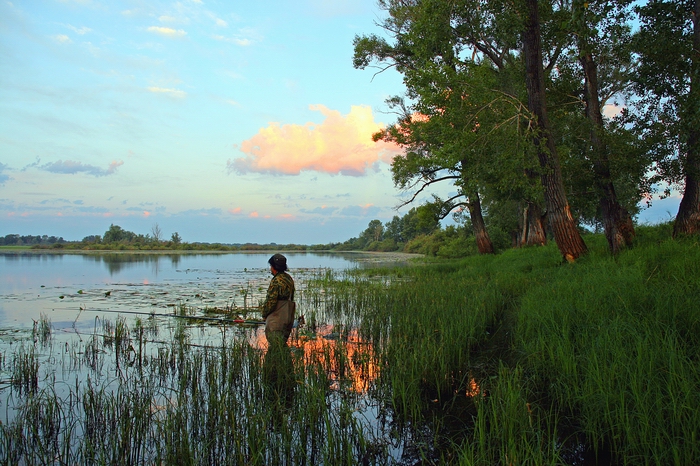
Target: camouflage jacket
[(281, 287)]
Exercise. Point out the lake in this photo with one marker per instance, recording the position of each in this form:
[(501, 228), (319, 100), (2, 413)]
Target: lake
[(139, 341), (70, 288)]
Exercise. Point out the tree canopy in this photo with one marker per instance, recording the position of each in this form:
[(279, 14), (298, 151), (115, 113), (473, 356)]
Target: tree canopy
[(505, 102)]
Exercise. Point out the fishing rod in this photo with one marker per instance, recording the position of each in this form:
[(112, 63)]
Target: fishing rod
[(177, 316)]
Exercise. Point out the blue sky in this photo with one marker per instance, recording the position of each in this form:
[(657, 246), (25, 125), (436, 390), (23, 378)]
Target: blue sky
[(222, 121)]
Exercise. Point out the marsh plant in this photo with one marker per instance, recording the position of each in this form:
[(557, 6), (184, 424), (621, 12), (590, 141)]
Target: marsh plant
[(510, 359), (41, 330), (131, 400)]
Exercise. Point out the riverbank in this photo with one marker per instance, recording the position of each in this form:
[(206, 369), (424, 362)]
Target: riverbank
[(586, 363)]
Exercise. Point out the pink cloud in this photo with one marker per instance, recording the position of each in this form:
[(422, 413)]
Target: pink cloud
[(146, 214), (253, 215), (341, 144), (235, 211)]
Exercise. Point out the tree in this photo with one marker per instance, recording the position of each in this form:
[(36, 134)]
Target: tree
[(668, 82), (175, 238), (116, 234), (473, 98), (394, 230), (374, 232), (566, 235), (602, 31), (438, 130), (156, 232)]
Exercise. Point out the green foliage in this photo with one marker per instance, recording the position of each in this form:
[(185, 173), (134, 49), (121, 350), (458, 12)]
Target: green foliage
[(667, 84), (29, 240)]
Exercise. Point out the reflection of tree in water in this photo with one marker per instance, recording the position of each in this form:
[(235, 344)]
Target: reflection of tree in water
[(17, 256), (116, 262)]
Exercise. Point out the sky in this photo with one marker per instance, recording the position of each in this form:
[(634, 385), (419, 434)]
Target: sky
[(228, 122)]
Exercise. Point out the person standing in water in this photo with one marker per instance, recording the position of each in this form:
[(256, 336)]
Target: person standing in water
[(279, 307), (278, 312)]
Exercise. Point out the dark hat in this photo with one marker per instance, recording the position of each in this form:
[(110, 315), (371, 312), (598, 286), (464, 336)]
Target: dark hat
[(279, 262)]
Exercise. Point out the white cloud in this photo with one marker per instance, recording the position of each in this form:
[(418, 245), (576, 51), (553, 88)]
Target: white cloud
[(612, 110), (171, 92), (218, 21), (62, 39), (167, 32), (80, 31), (232, 40)]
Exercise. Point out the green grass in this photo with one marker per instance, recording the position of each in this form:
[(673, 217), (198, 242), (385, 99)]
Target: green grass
[(585, 363)]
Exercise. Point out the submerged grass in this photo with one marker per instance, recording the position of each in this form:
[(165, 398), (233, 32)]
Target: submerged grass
[(511, 359)]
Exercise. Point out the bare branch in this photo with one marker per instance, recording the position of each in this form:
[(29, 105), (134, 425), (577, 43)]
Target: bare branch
[(425, 185)]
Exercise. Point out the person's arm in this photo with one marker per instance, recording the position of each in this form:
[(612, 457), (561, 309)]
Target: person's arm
[(273, 293)]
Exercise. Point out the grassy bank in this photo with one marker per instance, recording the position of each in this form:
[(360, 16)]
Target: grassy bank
[(589, 362)]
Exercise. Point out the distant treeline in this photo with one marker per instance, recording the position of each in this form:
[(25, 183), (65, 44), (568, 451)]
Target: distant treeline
[(29, 240), (418, 231)]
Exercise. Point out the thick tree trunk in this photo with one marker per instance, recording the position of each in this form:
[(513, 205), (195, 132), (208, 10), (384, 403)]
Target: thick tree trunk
[(566, 234), (533, 232), (688, 218), (483, 242), (617, 222)]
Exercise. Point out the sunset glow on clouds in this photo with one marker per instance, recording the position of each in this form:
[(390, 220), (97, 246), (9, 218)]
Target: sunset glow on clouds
[(341, 144)]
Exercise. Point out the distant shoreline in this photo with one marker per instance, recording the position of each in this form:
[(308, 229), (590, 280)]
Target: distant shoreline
[(368, 255)]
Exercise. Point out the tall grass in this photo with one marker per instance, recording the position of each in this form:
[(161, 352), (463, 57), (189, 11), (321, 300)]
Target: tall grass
[(615, 344), (517, 358), (180, 403)]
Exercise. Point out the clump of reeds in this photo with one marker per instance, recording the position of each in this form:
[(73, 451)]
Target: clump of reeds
[(25, 370), (41, 330)]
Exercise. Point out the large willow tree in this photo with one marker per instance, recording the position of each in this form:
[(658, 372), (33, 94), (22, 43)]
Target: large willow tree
[(668, 82), (476, 69)]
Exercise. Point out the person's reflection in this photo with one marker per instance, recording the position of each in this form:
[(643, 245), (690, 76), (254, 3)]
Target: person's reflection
[(278, 375)]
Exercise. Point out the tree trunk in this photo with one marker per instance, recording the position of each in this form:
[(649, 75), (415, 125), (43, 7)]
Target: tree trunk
[(533, 232), (483, 242), (617, 222), (688, 218), (566, 234)]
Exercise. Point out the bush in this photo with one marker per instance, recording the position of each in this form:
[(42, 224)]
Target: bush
[(454, 248)]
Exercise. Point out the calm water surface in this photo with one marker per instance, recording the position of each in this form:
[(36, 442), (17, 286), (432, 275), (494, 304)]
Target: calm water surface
[(81, 294), (70, 288)]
